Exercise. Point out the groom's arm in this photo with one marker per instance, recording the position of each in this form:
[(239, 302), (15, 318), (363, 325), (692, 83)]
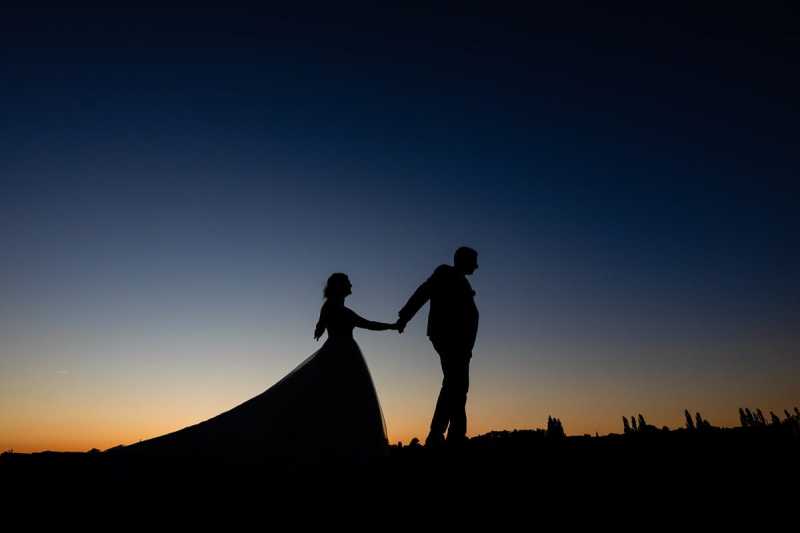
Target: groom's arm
[(418, 299)]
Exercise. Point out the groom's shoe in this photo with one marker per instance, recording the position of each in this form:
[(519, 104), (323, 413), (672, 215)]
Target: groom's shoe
[(434, 441), (456, 443)]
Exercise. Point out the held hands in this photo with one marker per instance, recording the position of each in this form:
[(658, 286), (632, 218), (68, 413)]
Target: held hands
[(400, 325)]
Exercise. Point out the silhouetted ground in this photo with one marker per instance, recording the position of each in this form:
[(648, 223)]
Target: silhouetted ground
[(533, 462)]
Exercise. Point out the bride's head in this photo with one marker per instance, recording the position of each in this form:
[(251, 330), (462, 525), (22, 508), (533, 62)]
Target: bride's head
[(338, 287)]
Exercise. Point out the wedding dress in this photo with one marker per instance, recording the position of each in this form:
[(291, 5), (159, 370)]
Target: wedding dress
[(325, 410)]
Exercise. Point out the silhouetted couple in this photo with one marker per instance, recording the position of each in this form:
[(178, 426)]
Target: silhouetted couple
[(452, 328), (327, 409)]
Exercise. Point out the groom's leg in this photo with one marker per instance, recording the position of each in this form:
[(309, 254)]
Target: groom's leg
[(441, 415), (458, 386)]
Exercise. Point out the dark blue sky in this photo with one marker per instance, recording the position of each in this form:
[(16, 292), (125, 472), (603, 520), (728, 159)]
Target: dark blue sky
[(629, 177)]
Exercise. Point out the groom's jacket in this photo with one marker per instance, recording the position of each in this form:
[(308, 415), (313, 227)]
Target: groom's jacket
[(453, 316)]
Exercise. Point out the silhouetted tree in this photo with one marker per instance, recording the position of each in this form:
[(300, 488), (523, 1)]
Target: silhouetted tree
[(626, 427), (701, 422), (554, 428), (796, 412), (751, 419), (689, 423), (644, 426), (774, 419), (787, 414), (743, 418), (761, 419), (633, 423)]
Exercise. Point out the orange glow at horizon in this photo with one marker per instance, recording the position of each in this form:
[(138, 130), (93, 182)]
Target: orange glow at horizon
[(95, 405), (72, 433)]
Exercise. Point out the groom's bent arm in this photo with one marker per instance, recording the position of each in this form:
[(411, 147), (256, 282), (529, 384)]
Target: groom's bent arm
[(419, 298)]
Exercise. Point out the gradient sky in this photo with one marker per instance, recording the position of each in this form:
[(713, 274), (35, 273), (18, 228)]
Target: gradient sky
[(177, 186)]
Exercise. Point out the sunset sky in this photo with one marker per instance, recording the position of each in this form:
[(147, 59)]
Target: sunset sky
[(176, 186)]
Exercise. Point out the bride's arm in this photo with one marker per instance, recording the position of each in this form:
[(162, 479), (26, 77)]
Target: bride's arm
[(321, 324), (369, 324)]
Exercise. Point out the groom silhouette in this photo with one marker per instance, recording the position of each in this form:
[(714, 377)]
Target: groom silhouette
[(452, 328)]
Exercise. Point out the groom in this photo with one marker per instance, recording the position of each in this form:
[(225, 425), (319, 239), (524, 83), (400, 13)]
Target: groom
[(452, 328)]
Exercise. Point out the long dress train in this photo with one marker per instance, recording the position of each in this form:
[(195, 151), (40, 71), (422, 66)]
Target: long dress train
[(325, 410)]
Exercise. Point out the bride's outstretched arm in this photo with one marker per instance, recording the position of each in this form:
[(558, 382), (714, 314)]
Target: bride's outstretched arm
[(374, 326)]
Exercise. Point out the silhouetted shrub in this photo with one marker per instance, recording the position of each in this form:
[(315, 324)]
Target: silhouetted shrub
[(743, 419), (689, 423), (554, 428), (644, 426)]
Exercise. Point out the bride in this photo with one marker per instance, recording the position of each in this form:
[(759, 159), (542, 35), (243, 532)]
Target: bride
[(325, 410), (355, 428)]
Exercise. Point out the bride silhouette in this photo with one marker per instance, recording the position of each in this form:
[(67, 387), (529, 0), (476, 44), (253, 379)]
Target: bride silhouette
[(325, 410)]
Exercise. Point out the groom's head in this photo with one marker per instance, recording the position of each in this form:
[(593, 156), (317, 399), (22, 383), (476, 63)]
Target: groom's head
[(465, 260)]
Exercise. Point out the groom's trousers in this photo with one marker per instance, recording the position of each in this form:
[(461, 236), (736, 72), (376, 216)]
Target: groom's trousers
[(451, 404)]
